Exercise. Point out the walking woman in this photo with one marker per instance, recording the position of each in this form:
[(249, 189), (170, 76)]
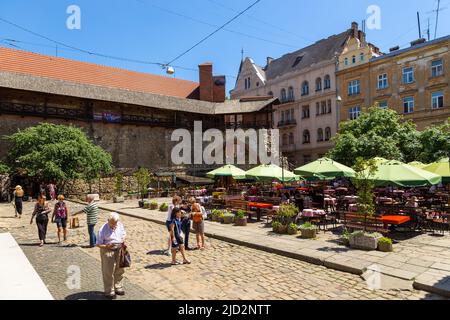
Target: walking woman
[(199, 225), (176, 238), (60, 216), (18, 201), (176, 200), (41, 211)]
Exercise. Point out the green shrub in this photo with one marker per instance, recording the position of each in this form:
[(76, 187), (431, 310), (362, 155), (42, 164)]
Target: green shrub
[(307, 226), (240, 214), (276, 225), (163, 207), (385, 240)]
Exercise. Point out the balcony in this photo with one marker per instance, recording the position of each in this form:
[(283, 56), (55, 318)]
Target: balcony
[(287, 123), (288, 148)]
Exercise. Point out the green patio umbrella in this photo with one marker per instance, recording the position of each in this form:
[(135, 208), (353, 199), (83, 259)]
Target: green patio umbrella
[(324, 169), (417, 164), (227, 171), (441, 168), (403, 175), (268, 172)]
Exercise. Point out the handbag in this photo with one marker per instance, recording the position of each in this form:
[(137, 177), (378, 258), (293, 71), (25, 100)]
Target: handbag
[(125, 258)]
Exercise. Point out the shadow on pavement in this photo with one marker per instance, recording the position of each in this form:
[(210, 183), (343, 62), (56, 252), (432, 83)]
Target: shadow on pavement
[(157, 252), (89, 295), (158, 266)]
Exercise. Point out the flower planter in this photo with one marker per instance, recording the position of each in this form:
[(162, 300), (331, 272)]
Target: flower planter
[(228, 219), (385, 247), (118, 199), (214, 218), (241, 222), (292, 231), (282, 229), (308, 233), (141, 203), (153, 206), (364, 242)]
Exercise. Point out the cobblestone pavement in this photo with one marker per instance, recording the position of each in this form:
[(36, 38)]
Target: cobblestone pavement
[(222, 271)]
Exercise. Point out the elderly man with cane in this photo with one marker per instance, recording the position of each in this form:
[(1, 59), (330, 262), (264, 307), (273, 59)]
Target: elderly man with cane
[(110, 240)]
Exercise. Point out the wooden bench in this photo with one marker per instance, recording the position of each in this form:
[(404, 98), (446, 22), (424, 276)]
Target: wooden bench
[(354, 221), (236, 205)]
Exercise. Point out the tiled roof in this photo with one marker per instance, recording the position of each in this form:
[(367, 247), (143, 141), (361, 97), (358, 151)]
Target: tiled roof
[(33, 64)]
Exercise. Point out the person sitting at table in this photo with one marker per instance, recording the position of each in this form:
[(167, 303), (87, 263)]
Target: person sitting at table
[(412, 202)]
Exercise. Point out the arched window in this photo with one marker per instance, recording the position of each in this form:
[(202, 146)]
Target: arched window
[(320, 134), (285, 140), (327, 82), (305, 88), (291, 138), (291, 94), (327, 134), (354, 59), (318, 84), (283, 95), (306, 137)]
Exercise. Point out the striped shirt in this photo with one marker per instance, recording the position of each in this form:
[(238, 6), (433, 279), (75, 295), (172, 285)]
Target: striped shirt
[(91, 211)]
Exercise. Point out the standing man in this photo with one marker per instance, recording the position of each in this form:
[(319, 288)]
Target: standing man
[(186, 223), (111, 237), (91, 211)]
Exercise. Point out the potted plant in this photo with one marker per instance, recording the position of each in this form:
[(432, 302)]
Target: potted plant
[(385, 245), (118, 186), (153, 205), (241, 219), (143, 179), (287, 214), (215, 215), (228, 218), (276, 226), (364, 184), (220, 216), (308, 231), (164, 207), (292, 229)]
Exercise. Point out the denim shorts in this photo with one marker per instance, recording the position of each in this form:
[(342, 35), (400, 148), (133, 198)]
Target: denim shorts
[(61, 222)]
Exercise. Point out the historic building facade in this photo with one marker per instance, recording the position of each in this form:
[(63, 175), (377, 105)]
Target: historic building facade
[(131, 115), (305, 83), (413, 81)]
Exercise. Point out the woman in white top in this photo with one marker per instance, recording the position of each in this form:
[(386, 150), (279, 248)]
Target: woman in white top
[(176, 200)]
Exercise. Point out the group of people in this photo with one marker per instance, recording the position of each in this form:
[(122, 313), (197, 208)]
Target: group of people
[(181, 216)]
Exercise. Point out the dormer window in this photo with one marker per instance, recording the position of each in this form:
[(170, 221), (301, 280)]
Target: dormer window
[(297, 61)]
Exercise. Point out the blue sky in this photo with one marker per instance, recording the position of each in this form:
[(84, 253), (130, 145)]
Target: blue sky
[(158, 30)]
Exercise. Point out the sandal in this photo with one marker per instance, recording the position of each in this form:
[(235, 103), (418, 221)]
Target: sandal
[(186, 262), (176, 263)]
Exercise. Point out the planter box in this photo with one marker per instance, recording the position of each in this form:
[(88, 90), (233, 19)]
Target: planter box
[(141, 204), (241, 222), (364, 242), (153, 206), (385, 247), (117, 199), (308, 233), (282, 230), (292, 231), (228, 219), (214, 218)]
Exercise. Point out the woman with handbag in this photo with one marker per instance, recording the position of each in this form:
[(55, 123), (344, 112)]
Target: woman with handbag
[(41, 211), (110, 240), (177, 239), (60, 216), (18, 200), (198, 224)]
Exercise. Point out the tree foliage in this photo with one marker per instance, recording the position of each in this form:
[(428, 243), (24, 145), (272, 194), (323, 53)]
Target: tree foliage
[(383, 133), (57, 152), (143, 179), (4, 169), (364, 184)]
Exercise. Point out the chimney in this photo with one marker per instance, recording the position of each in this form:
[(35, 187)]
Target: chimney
[(394, 49), (355, 29), (206, 81), (269, 60), (418, 41), (212, 88)]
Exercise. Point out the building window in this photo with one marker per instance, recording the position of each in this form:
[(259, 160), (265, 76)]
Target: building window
[(283, 95), (408, 75), (247, 83), (305, 112), (354, 113), (284, 142), (291, 94), (317, 108), (327, 134), (437, 68), (270, 94), (327, 82), (292, 115), (437, 100), (353, 59), (361, 57), (305, 88), (323, 107), (291, 138), (353, 87), (318, 84), (306, 137), (382, 81), (408, 105), (346, 61), (329, 106), (320, 135), (383, 104)]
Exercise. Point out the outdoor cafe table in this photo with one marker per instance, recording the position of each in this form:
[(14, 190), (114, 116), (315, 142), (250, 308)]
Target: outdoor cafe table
[(309, 213), (259, 206), (395, 220), (351, 199)]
